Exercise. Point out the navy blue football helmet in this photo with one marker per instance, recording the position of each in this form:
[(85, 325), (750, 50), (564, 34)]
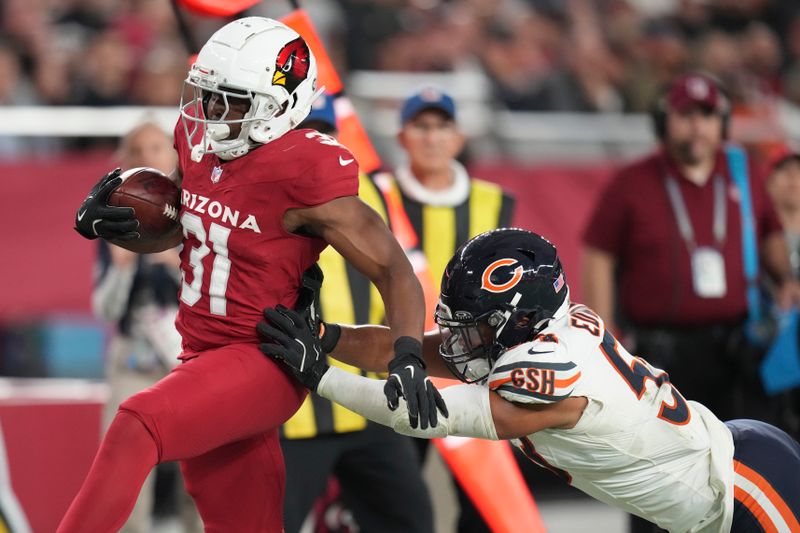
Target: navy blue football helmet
[(499, 290)]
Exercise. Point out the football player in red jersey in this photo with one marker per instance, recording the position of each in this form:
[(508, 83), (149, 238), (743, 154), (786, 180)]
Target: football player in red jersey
[(260, 200)]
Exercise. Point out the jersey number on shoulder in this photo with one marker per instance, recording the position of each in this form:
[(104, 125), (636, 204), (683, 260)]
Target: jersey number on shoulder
[(218, 237), (323, 139), (584, 319), (636, 373)]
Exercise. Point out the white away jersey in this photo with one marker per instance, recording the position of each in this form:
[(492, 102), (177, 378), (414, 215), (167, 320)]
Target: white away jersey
[(639, 445)]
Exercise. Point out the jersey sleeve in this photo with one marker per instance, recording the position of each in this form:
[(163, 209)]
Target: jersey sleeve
[(333, 173), (538, 372)]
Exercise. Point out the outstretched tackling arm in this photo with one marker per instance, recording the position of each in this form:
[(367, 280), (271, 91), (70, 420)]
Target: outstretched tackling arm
[(474, 410), (370, 348), (357, 232)]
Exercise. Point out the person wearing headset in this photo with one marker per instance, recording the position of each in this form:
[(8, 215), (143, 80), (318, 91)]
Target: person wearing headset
[(664, 259)]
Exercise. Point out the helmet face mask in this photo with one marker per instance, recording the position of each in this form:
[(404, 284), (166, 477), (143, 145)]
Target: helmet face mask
[(229, 133), (468, 345), (253, 60)]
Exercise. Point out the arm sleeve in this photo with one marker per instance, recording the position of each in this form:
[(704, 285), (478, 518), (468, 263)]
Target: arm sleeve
[(470, 411), (535, 373), (333, 174), (607, 224)]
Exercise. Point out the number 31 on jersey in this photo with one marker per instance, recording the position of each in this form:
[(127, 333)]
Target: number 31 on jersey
[(220, 271)]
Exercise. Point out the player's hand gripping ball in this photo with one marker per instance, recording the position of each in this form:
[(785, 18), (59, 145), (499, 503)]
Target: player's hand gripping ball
[(136, 209)]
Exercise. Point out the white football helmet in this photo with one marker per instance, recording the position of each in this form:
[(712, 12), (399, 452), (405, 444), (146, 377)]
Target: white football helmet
[(256, 59)]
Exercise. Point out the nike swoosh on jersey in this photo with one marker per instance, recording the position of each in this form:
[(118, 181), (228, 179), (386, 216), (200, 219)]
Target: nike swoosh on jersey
[(344, 162), (534, 352)]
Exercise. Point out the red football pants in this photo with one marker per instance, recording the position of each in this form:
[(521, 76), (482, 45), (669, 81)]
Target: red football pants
[(218, 413)]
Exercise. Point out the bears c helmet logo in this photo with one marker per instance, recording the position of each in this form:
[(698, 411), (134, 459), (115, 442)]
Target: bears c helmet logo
[(491, 286), (291, 65)]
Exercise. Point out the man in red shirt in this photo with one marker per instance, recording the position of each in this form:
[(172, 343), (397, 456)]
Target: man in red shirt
[(664, 253), (260, 201)]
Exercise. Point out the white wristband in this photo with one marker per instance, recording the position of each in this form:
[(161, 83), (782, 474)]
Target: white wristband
[(468, 405)]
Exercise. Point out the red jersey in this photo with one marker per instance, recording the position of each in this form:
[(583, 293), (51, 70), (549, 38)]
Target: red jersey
[(237, 258), (635, 223)]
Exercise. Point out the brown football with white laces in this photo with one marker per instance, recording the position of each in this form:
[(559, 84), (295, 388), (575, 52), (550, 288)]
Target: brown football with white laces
[(156, 201)]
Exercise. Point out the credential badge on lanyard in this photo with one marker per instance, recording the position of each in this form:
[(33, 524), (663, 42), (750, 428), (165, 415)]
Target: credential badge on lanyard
[(707, 262)]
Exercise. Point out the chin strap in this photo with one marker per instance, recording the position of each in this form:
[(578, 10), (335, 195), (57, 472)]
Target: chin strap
[(300, 114), (236, 149)]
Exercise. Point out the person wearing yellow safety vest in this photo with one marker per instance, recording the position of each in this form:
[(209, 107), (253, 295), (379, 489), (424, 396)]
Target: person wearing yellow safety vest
[(377, 470), (435, 207)]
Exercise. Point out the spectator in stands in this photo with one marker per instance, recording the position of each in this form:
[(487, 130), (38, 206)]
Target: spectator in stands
[(664, 252), (105, 71), (376, 469), (657, 57), (11, 82), (138, 294), (17, 89), (587, 82), (158, 80), (762, 57), (519, 54)]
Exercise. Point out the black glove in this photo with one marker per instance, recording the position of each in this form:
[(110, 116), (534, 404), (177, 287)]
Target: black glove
[(96, 218), (292, 337), (407, 378), (290, 342), (307, 306)]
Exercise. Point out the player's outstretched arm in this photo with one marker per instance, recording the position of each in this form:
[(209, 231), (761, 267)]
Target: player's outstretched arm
[(474, 410), (358, 233), (370, 348)]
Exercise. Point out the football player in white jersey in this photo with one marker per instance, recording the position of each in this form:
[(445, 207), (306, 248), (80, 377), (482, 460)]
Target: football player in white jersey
[(544, 373)]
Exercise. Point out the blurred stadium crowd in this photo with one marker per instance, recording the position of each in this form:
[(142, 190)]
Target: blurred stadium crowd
[(574, 55)]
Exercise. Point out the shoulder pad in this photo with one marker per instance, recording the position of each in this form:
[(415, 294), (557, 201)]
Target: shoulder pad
[(535, 372)]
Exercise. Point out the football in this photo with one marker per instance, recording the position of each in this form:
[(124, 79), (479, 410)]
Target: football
[(156, 200)]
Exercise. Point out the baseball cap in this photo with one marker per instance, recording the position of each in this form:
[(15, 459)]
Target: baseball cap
[(427, 98), (696, 90), (781, 154), (322, 111)]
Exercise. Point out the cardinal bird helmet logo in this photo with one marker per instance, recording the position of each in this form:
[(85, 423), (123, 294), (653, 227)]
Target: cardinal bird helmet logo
[(291, 66)]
